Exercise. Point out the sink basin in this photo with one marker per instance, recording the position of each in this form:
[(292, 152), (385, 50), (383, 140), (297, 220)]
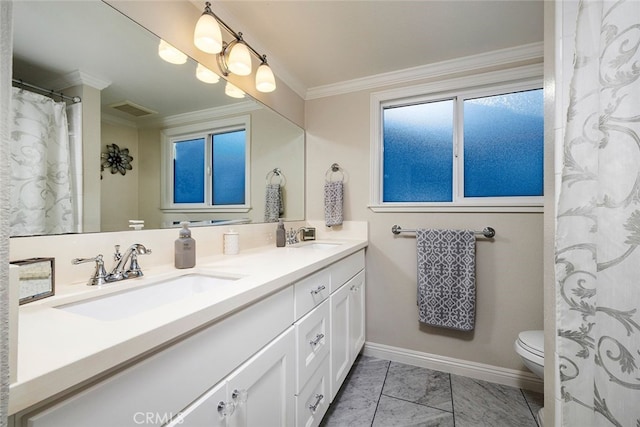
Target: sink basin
[(131, 302), (316, 245)]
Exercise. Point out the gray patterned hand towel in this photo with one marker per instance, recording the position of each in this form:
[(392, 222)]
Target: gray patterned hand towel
[(446, 278), (333, 194), (273, 206)]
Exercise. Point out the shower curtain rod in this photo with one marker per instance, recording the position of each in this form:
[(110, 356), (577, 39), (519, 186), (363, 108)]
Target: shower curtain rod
[(21, 84)]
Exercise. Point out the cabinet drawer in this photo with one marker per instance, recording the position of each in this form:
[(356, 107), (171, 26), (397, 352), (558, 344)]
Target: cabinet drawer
[(345, 269), (167, 382), (311, 291), (313, 401), (312, 342)]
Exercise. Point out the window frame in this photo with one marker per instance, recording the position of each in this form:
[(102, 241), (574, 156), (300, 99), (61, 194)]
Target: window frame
[(487, 84), (203, 130)]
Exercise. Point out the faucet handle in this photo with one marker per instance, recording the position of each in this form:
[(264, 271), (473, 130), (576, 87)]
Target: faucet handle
[(99, 276), (134, 268), (117, 255)]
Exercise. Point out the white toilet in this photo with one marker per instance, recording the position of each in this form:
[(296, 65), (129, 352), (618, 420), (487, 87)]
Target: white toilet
[(530, 347)]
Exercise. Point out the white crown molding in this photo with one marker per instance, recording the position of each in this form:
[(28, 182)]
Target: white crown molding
[(479, 371), (529, 52), (199, 116), (78, 78)]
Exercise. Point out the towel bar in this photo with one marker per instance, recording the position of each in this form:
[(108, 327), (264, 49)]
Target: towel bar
[(276, 173), (488, 232)]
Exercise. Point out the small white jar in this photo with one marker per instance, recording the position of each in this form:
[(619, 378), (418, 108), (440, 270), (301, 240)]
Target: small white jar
[(231, 245)]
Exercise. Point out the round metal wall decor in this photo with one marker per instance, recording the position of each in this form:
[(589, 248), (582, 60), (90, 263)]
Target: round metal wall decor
[(116, 159)]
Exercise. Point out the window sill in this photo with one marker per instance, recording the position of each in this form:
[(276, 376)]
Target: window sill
[(461, 208), (206, 210)]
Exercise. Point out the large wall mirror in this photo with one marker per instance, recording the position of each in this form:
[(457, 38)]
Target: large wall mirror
[(134, 100)]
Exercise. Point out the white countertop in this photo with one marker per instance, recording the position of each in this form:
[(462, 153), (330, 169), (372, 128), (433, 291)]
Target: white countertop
[(58, 350)]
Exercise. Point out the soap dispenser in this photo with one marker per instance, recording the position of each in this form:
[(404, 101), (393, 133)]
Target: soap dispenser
[(185, 248), (280, 235)]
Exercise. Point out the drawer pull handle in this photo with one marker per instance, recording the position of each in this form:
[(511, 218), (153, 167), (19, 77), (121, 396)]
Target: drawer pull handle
[(316, 341), (318, 289), (226, 409), (314, 407)]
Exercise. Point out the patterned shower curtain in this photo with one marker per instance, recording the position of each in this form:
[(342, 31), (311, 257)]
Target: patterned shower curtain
[(41, 176), (6, 53), (598, 223)]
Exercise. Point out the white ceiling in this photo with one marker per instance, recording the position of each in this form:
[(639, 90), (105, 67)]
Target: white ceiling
[(309, 43), (313, 43)]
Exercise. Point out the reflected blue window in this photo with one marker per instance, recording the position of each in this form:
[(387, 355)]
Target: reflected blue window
[(418, 152), (229, 168), (188, 171), (210, 170), (503, 145)]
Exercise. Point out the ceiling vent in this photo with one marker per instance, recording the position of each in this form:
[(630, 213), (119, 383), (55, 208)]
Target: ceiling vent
[(132, 109)]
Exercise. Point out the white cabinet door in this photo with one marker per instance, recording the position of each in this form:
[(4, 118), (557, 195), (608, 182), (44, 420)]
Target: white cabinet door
[(340, 347), (263, 388), (356, 315), (208, 411)]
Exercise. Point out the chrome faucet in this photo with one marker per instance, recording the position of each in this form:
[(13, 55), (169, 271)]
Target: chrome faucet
[(119, 272), (101, 277)]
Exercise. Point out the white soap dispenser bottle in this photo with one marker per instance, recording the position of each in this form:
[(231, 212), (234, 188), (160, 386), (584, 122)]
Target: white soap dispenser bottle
[(185, 248)]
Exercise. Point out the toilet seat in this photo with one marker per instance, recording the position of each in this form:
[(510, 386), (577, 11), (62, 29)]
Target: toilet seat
[(532, 342)]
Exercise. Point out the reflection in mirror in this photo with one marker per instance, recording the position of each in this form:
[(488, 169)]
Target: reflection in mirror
[(134, 99)]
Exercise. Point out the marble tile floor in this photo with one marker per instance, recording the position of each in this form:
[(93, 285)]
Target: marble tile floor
[(381, 393)]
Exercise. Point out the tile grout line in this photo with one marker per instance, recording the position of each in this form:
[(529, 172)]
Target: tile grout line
[(381, 389), (535, 418), (453, 405)]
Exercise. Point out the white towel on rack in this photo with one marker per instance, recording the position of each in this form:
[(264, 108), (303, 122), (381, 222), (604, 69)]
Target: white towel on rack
[(273, 206), (446, 278), (333, 196)]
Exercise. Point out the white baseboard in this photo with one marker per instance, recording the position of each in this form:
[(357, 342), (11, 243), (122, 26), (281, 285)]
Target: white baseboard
[(479, 371)]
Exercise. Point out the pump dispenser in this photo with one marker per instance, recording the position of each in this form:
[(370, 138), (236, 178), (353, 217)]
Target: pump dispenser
[(280, 235), (185, 248)]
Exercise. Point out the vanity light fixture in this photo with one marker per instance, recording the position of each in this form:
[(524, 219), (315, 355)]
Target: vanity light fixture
[(170, 53), (265, 81), (233, 91), (207, 36), (206, 75), (235, 56)]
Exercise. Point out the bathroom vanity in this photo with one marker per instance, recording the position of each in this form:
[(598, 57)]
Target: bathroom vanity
[(268, 343)]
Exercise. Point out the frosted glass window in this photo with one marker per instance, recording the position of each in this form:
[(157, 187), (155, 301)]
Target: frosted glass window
[(503, 145), (418, 152), (188, 171), (480, 147), (229, 168)]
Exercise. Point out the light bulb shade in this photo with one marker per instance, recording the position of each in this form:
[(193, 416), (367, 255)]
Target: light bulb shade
[(170, 53), (207, 36), (233, 91), (206, 75), (265, 80), (239, 61)]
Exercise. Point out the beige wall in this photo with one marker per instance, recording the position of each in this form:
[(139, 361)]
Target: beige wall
[(91, 149), (119, 193), (509, 268)]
